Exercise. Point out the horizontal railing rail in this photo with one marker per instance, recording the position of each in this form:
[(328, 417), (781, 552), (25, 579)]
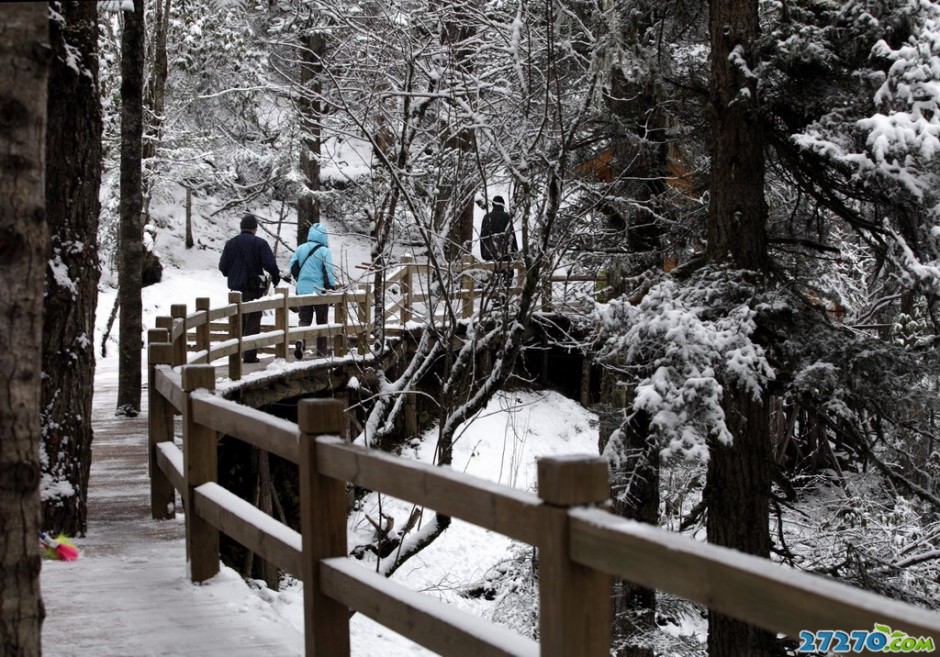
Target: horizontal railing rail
[(580, 544), (211, 334)]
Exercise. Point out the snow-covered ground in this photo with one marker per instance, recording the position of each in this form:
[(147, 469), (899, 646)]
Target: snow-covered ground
[(501, 445)]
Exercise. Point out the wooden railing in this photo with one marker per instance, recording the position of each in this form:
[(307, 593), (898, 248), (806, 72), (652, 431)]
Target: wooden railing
[(580, 544), (208, 335)]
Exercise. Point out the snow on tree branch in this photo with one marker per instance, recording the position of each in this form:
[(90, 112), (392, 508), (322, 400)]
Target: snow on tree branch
[(694, 349)]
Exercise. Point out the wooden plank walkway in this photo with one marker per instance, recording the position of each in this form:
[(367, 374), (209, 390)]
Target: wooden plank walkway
[(128, 594)]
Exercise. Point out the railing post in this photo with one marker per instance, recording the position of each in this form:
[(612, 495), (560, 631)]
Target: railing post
[(203, 339), (178, 313), (281, 323), (339, 317), (165, 322), (160, 426), (469, 286), (518, 274), (365, 317), (235, 333), (323, 527), (574, 600), (199, 467), (406, 291)]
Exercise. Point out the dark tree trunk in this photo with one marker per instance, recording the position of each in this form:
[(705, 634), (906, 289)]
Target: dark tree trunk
[(24, 241), (308, 205), (131, 247), (155, 94), (738, 493), (737, 214), (640, 152), (190, 243), (739, 475), (457, 29), (635, 491), (73, 172)]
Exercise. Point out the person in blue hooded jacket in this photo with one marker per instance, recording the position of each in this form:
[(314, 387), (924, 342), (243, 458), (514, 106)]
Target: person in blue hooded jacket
[(316, 277)]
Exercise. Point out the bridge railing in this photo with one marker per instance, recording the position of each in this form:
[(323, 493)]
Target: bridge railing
[(208, 335), (580, 544)]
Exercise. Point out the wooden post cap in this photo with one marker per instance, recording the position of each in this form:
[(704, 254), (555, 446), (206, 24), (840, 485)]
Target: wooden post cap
[(178, 310), (320, 416), (203, 303), (573, 480), (198, 376)]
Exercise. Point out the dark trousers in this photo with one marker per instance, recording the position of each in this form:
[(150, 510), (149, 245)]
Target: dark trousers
[(306, 318), (505, 271), (251, 322)]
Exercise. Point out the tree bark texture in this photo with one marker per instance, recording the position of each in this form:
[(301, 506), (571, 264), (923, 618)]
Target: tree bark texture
[(457, 29), (24, 61), (131, 247), (634, 607), (73, 168), (738, 487), (311, 67), (634, 480), (737, 214), (739, 475), (154, 100)]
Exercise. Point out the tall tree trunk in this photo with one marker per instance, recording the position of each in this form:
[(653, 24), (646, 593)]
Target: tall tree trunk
[(457, 27), (155, 96), (73, 173), (190, 243), (737, 213), (635, 491), (738, 487), (637, 118), (311, 66), (24, 240), (739, 476), (131, 247)]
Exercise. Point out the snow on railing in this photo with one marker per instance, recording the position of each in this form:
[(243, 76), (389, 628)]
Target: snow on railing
[(580, 545)]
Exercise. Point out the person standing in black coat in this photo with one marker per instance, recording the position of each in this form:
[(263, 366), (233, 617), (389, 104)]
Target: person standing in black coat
[(244, 260), (498, 236)]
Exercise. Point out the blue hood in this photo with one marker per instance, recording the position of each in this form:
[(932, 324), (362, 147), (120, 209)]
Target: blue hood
[(316, 274), (317, 235)]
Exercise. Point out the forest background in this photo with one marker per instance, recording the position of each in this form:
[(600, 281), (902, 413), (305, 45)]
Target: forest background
[(756, 180)]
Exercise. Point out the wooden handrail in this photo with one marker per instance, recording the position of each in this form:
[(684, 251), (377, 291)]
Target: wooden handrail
[(511, 512), (746, 587), (579, 547), (250, 526), (204, 336), (271, 434), (428, 622)]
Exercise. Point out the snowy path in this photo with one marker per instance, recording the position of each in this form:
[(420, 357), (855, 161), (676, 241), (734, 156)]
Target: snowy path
[(128, 594)]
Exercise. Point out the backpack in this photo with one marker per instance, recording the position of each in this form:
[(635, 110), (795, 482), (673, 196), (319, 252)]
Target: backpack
[(298, 266)]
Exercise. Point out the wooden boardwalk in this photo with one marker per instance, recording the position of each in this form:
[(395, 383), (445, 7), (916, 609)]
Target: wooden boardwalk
[(128, 595)]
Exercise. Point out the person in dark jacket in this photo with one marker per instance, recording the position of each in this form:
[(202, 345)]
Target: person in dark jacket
[(316, 277), (244, 260), (498, 236)]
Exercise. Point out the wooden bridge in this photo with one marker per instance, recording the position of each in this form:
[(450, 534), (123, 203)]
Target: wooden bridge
[(580, 544)]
